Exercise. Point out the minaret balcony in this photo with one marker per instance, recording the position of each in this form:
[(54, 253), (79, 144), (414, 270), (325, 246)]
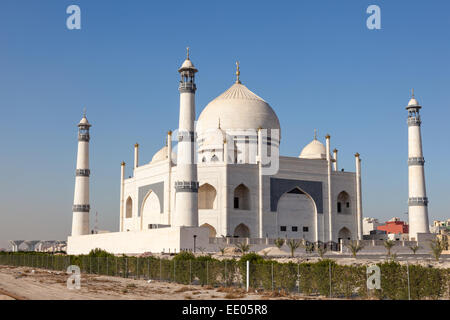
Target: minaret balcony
[(83, 172), (186, 186), (81, 208), (416, 161), (418, 201), (187, 87), (83, 137), (414, 121)]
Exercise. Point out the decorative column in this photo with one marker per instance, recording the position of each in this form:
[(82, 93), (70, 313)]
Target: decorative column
[(260, 185), (417, 201), (330, 199), (169, 191), (186, 185), (358, 197), (335, 160), (136, 155), (81, 207), (122, 190)]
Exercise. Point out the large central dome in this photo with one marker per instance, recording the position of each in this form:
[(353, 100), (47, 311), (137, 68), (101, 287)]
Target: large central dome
[(237, 109)]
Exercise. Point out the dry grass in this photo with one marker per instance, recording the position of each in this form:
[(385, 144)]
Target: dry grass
[(183, 289), (231, 295), (188, 297)]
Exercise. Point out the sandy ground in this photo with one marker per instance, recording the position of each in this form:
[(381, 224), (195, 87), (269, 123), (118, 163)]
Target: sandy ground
[(51, 285)]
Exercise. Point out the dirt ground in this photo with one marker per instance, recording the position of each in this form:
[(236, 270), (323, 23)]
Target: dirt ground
[(38, 284)]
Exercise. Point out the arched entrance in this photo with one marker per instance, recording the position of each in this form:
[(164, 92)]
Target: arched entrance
[(344, 234), (296, 216), (241, 231), (212, 230), (151, 211)]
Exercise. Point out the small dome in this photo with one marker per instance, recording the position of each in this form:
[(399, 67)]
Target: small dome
[(314, 150), (162, 154), (187, 64), (413, 102)]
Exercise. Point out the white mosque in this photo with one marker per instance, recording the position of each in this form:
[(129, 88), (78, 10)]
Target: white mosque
[(225, 178)]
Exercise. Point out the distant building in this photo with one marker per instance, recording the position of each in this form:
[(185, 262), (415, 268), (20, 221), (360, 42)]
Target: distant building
[(439, 225), (370, 224), (395, 226)]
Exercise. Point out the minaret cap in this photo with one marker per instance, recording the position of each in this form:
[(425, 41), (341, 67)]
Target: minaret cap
[(136, 145), (357, 155), (238, 73), (413, 103), (187, 64), (84, 121)]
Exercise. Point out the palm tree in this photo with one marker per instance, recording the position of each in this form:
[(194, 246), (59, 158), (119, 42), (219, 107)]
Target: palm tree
[(293, 245), (243, 247), (222, 250), (414, 248), (354, 247), (279, 242), (437, 246), (388, 244), (321, 250)]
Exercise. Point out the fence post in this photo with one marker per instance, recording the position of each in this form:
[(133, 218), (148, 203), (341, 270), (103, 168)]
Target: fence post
[(298, 277), (137, 268), (190, 271), (160, 269), (225, 273), (148, 268), (107, 260), (207, 273), (174, 274), (248, 274), (329, 271), (409, 288), (98, 265), (126, 267), (272, 275)]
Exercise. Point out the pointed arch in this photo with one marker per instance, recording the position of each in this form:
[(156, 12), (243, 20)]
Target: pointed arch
[(207, 195), (297, 215), (129, 208), (242, 198), (151, 210), (344, 234), (241, 231), (212, 230), (343, 203)]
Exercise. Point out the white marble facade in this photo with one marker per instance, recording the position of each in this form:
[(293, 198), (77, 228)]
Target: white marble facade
[(295, 199)]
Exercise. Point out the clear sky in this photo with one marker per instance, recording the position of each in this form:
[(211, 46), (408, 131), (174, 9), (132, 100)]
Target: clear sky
[(315, 62)]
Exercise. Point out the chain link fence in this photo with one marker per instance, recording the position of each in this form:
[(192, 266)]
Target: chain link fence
[(324, 278)]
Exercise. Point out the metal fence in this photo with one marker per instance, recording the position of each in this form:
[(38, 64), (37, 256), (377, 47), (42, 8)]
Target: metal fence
[(324, 278)]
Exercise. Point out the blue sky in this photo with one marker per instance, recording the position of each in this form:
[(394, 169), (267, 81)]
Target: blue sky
[(315, 62)]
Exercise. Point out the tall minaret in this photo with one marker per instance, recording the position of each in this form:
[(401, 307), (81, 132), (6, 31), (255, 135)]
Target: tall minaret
[(80, 222), (418, 201), (186, 184)]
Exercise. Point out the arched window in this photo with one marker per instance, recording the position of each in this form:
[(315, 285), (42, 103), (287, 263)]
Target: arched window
[(129, 208), (241, 198), (206, 196), (343, 203), (212, 230), (242, 231)]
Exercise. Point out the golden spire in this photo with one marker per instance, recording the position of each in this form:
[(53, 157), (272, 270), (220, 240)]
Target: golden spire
[(238, 73), (315, 134), (187, 53), (412, 92)]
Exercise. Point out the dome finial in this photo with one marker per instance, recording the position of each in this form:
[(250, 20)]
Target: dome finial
[(315, 134), (412, 92), (219, 124), (187, 53), (238, 73), (84, 112)]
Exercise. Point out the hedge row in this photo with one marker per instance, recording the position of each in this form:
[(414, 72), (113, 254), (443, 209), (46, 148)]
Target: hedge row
[(325, 278)]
